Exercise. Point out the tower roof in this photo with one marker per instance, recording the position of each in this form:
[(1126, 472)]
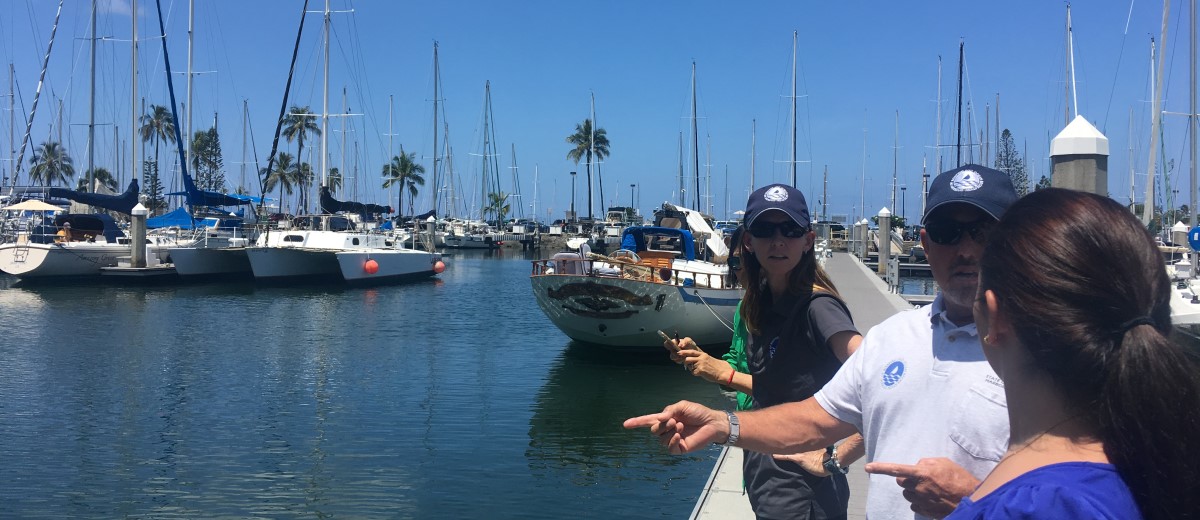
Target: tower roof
[(1079, 138)]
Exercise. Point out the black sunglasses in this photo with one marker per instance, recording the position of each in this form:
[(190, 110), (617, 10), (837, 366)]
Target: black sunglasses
[(949, 232), (787, 228)]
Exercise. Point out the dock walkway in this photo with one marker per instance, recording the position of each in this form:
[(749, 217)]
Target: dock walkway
[(870, 303)]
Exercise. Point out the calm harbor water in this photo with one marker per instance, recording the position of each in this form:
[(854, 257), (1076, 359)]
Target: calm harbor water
[(451, 398)]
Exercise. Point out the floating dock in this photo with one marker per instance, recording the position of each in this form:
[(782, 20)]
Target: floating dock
[(870, 303)]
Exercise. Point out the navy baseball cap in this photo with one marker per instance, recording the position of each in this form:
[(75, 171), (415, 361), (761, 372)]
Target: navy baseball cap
[(778, 197), (985, 188)]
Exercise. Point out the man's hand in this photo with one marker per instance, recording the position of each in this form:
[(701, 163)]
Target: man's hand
[(684, 426), (934, 487), (811, 461)]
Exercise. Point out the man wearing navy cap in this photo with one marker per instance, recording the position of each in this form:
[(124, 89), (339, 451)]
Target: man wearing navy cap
[(919, 388)]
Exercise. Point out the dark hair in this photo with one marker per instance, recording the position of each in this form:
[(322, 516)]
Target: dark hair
[(806, 277), (1086, 293)]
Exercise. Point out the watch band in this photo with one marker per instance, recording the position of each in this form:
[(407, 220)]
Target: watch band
[(831, 463), (735, 429)]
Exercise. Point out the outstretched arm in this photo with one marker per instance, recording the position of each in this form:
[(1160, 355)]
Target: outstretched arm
[(787, 428)]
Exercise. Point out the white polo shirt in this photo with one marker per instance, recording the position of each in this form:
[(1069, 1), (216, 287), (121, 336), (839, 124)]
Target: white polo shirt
[(920, 387)]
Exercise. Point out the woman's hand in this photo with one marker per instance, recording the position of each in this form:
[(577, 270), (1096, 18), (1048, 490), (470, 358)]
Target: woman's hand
[(675, 345), (704, 366)]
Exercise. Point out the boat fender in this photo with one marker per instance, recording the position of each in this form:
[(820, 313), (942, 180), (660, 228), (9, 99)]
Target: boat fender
[(371, 266), (439, 267)]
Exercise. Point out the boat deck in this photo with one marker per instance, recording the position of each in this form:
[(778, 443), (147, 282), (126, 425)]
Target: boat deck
[(870, 303)]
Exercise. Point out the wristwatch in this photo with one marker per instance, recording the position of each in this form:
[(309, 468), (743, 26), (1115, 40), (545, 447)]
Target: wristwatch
[(734, 430), (831, 463)]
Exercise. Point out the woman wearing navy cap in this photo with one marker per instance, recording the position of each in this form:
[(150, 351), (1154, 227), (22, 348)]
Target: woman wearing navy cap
[(800, 332)]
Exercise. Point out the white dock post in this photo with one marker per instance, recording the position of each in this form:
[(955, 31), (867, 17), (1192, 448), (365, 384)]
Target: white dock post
[(137, 247), (885, 239)]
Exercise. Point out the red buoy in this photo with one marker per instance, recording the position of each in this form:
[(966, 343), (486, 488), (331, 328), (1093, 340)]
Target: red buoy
[(371, 267), (438, 267)]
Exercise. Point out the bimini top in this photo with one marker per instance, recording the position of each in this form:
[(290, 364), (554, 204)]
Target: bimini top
[(642, 238)]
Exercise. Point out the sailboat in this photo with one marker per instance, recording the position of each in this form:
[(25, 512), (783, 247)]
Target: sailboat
[(330, 246), (79, 245), (671, 276), (477, 234)]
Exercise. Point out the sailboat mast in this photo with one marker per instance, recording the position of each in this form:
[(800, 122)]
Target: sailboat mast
[(1067, 72), (895, 159), (134, 156), (1192, 134), (682, 184), (324, 99), (695, 143), (187, 123), (793, 162), (937, 133), (91, 165), (436, 179), (958, 143), (1155, 120), (753, 138)]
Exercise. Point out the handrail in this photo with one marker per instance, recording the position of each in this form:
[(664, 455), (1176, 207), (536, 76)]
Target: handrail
[(664, 275)]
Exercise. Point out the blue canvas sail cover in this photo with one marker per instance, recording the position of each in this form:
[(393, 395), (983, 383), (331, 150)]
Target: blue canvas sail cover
[(179, 218), (332, 205), (197, 197), (638, 238), (122, 203)]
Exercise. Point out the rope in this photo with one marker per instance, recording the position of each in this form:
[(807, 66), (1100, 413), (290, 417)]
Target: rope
[(714, 313)]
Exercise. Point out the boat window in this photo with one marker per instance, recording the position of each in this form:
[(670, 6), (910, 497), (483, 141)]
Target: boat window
[(293, 238), (354, 241)]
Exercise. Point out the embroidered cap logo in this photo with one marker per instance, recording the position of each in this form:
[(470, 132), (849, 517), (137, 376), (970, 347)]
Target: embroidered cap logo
[(776, 194), (966, 180)]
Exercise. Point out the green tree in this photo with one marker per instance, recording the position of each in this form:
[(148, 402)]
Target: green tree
[(207, 162), (152, 190), (157, 126), (101, 175), (298, 124), (404, 171), (498, 206), (283, 176), (586, 143), (1010, 161), (1042, 183), (51, 164)]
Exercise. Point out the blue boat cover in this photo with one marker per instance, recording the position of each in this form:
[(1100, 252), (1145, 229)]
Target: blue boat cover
[(179, 218), (636, 238), (122, 203)]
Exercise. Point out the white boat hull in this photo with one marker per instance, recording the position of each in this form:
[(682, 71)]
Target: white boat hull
[(68, 259), (627, 313), (59, 260), (390, 265), (286, 262), (211, 261)]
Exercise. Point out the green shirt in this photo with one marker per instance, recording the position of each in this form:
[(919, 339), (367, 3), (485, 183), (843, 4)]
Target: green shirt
[(736, 357)]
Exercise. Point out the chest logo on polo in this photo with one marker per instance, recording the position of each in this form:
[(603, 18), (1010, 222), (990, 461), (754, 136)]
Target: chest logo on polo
[(893, 374)]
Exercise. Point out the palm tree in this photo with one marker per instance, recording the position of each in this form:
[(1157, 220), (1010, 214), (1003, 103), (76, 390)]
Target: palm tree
[(157, 126), (302, 175), (405, 171), (586, 144), (297, 125), (102, 175), (334, 180), (281, 176), (51, 163), (497, 205)]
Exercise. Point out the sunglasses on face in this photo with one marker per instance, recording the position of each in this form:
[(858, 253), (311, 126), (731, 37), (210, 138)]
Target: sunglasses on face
[(787, 228), (950, 232)]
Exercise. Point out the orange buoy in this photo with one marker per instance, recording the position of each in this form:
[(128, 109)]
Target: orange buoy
[(371, 267), (438, 267)]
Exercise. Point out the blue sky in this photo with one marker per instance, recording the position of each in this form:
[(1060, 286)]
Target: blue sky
[(860, 64)]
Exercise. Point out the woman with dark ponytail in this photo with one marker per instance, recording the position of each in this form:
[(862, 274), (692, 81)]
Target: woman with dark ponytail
[(1104, 408)]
